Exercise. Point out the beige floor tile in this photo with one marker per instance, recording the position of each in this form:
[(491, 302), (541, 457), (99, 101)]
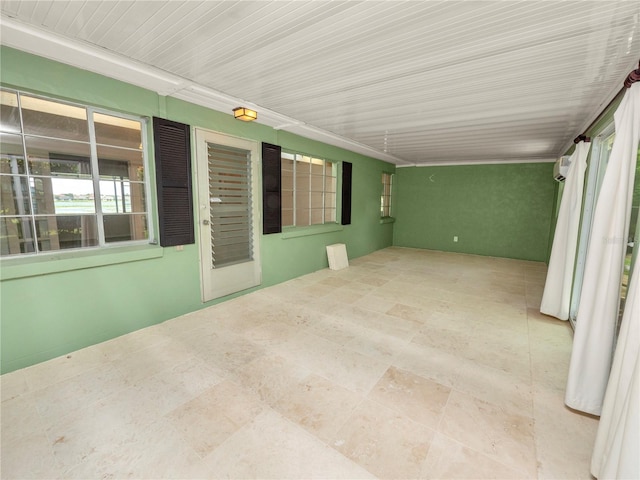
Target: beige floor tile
[(504, 436), (63, 367), (271, 447), (30, 456), (356, 363), (139, 454), (421, 400), (385, 442), (212, 417), (564, 438), (318, 405), (270, 376), (448, 459), (13, 384), (432, 363)]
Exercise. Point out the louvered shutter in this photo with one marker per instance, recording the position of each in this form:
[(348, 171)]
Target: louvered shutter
[(346, 193), (271, 188), (173, 181)]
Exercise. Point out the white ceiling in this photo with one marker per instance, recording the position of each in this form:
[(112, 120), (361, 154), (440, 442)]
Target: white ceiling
[(414, 82)]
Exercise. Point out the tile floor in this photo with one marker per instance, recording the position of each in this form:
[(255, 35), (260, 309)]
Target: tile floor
[(408, 364)]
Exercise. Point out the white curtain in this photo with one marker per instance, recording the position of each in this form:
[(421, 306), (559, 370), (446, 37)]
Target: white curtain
[(617, 450), (557, 288), (597, 312)]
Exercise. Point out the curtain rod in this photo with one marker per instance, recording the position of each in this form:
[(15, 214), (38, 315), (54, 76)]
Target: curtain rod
[(632, 78)]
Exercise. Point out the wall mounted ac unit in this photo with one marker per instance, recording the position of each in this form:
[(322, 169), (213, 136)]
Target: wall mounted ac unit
[(560, 168)]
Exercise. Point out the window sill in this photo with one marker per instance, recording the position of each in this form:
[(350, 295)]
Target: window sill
[(294, 232), (387, 220), (45, 264)]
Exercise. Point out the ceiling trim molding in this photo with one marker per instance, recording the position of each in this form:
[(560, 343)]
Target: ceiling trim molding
[(82, 55), (480, 162)]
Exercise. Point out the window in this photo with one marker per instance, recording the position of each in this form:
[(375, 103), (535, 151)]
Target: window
[(70, 176), (385, 196), (308, 190)]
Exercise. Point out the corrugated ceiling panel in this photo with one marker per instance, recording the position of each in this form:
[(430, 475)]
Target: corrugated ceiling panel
[(424, 81)]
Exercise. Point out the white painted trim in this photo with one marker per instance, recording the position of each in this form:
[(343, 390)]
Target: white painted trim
[(480, 162), (85, 56)]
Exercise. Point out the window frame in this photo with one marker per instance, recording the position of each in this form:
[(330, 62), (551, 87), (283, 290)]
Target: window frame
[(388, 206), (336, 166), (99, 214)]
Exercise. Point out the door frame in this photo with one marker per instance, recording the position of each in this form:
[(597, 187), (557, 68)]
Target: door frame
[(209, 288)]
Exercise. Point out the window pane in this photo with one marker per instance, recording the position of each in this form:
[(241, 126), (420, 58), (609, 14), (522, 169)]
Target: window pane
[(66, 231), (302, 165), (330, 200), (316, 216), (330, 184), (286, 199), (316, 200), (122, 196), (329, 215), (9, 113), (302, 200), (317, 167), (53, 119), (16, 236), (287, 217), (57, 157), (120, 163), (11, 154), (123, 228), (302, 217), (14, 195), (317, 183), (62, 195), (122, 132)]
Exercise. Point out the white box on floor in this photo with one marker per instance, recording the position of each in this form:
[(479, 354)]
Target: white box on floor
[(337, 255)]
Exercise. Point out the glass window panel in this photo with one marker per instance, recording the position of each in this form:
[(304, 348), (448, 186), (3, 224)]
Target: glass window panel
[(118, 131), (9, 113), (287, 180), (302, 200), (122, 196), (329, 215), (53, 119), (317, 183), (124, 228), (120, 163), (302, 182), (286, 199), (330, 200), (16, 236), (330, 184), (317, 167), (302, 217), (11, 154), (58, 157), (287, 216), (66, 231), (302, 165), (316, 216), (14, 195), (287, 163), (317, 200), (62, 195)]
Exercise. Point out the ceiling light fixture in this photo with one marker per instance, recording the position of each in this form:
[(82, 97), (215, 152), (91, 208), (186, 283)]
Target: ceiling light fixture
[(245, 114)]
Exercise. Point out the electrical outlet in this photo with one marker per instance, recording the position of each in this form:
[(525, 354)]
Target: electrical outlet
[(455, 238)]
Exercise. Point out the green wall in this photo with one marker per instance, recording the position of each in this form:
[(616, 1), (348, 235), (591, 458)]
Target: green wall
[(498, 210), (55, 304)]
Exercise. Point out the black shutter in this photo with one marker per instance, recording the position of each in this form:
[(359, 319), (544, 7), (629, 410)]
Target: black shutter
[(346, 193), (271, 189), (172, 143)]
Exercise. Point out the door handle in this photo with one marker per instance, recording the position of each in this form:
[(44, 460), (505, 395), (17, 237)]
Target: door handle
[(205, 222)]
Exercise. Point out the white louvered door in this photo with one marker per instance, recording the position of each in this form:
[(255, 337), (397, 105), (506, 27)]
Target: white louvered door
[(228, 213)]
